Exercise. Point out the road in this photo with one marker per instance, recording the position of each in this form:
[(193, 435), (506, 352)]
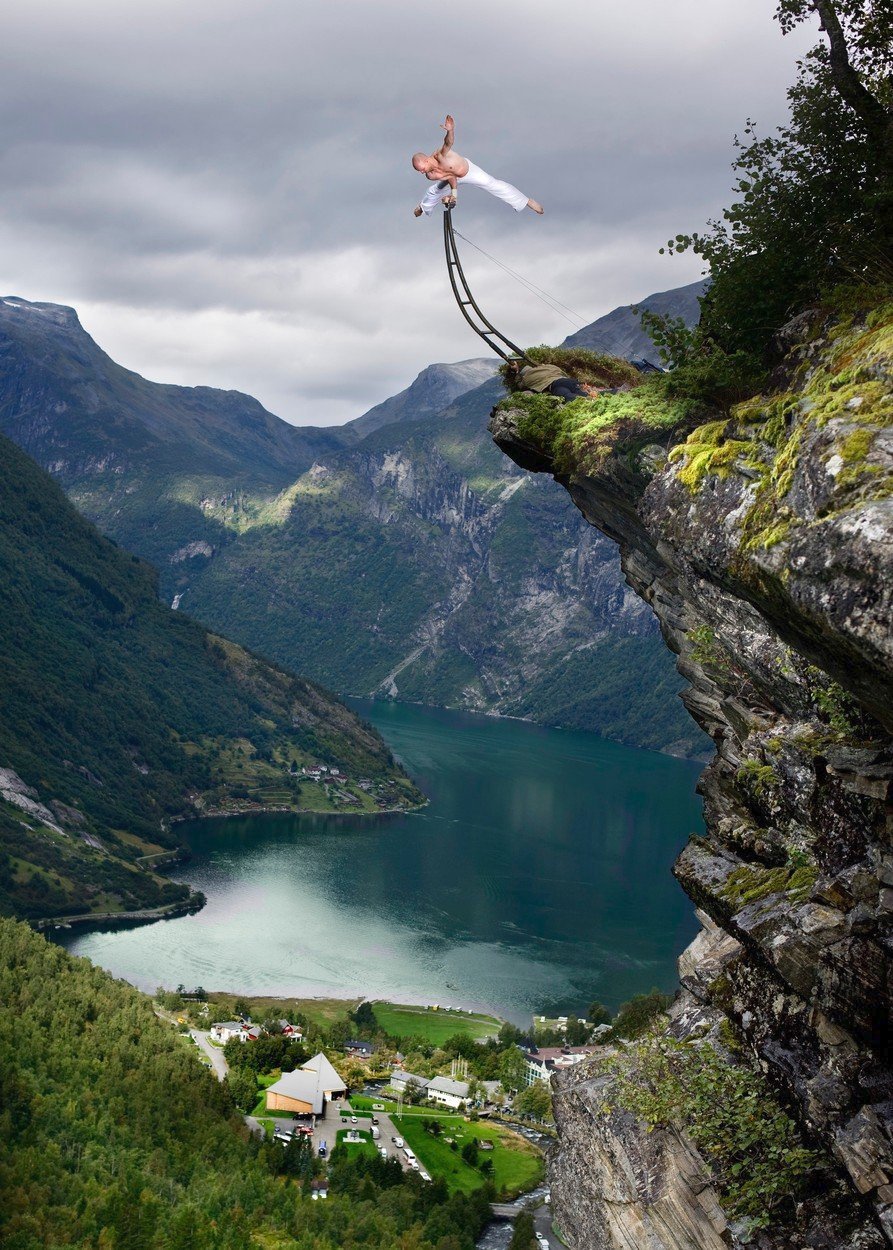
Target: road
[(218, 1061)]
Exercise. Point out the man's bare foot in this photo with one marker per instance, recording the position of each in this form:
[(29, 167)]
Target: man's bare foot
[(537, 208)]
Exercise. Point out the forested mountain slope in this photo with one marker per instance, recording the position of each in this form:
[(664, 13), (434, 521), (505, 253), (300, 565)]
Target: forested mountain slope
[(117, 715), (112, 1134)]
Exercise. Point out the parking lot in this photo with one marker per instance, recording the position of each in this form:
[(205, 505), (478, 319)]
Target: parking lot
[(325, 1129)]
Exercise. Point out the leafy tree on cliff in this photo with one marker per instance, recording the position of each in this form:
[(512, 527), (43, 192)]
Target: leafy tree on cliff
[(814, 204), (635, 1016)]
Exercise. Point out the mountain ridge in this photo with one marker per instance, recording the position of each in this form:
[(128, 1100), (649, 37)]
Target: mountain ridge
[(118, 717), (404, 562)]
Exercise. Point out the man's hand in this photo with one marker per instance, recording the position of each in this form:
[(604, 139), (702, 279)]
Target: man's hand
[(449, 137), (450, 201), (417, 211)]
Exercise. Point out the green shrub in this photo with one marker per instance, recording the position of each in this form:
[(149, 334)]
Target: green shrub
[(759, 1161), (636, 1016)]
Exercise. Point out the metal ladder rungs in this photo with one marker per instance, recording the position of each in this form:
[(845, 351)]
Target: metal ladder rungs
[(454, 267)]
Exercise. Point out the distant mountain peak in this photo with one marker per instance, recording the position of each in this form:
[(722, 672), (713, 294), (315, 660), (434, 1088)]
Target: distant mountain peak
[(432, 391), (620, 333), (57, 314)]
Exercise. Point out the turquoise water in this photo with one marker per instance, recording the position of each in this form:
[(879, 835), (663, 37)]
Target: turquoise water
[(537, 879)]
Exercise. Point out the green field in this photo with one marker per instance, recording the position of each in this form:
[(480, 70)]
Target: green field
[(366, 1146), (322, 1012), (517, 1165), (397, 1019), (260, 1107), (434, 1025), (362, 1104)]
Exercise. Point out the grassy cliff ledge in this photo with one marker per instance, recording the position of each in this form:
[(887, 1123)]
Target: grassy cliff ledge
[(777, 496), (119, 716)]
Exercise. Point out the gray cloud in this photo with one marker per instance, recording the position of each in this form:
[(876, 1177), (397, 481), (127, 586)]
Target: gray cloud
[(224, 191)]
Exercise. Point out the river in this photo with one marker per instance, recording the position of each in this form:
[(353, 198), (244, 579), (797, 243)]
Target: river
[(537, 879)]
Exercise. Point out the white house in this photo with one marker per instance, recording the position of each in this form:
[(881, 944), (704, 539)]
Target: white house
[(245, 1032), (447, 1092), (228, 1029), (548, 1059)]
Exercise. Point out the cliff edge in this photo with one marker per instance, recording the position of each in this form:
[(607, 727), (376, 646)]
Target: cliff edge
[(761, 1112)]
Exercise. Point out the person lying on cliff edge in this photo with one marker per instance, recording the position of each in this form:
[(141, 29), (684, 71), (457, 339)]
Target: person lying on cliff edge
[(446, 169), (547, 380)]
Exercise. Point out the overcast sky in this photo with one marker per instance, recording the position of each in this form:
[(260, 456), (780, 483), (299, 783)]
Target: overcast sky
[(222, 188)]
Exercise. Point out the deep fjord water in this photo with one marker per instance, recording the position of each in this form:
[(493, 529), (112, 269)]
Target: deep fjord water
[(537, 879)]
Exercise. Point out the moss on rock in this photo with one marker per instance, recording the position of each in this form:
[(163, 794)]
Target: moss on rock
[(581, 435), (752, 882)]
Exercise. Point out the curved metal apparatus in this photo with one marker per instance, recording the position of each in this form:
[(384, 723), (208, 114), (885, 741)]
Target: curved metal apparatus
[(466, 300)]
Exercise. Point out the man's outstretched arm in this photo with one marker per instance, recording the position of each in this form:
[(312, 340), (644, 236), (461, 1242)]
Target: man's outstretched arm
[(450, 127)]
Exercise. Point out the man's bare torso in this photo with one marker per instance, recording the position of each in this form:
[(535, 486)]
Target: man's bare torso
[(447, 163)]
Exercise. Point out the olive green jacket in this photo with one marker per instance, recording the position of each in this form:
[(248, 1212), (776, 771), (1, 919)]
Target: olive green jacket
[(540, 377)]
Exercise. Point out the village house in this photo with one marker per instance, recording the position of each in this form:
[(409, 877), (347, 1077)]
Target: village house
[(401, 1080), (307, 1090), (492, 1089), (245, 1031), (447, 1092), (359, 1050), (293, 1032), (543, 1062)]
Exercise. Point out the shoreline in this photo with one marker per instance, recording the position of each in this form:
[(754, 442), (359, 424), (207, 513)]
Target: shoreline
[(182, 855), (702, 759), (143, 915), (298, 811)]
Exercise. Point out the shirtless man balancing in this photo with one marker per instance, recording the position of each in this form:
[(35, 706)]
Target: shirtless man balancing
[(445, 168)]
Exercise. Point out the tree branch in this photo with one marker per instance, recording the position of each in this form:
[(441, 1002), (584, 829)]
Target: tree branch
[(849, 85)]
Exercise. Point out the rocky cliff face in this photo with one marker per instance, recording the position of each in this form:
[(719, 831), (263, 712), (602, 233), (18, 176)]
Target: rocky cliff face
[(764, 544)]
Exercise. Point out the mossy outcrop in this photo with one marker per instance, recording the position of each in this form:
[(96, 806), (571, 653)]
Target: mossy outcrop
[(762, 536)]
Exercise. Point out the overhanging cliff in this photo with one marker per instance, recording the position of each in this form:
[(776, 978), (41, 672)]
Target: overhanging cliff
[(763, 540)]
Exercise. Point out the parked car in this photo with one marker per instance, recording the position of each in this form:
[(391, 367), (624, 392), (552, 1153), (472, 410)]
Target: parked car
[(398, 1142), (424, 1175), (322, 1149), (383, 1151), (353, 1119), (542, 1242), (375, 1119)]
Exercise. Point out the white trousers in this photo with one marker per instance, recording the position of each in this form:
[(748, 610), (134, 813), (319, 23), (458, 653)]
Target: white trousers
[(475, 177)]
